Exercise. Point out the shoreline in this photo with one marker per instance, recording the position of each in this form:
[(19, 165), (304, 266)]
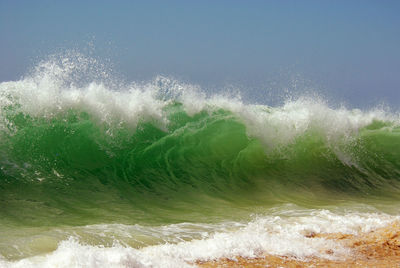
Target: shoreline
[(377, 248)]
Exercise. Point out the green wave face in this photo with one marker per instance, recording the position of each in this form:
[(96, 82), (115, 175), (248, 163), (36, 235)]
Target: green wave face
[(75, 151), (69, 167), (148, 164)]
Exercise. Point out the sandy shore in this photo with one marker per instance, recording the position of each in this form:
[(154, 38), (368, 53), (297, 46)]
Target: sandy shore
[(378, 248)]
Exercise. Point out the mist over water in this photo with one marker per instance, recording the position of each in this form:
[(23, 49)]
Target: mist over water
[(124, 172)]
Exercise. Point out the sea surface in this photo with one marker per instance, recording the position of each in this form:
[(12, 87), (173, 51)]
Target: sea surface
[(96, 173)]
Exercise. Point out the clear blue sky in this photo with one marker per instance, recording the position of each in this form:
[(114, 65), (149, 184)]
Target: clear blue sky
[(350, 49)]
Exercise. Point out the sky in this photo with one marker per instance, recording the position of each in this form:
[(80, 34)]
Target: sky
[(348, 50)]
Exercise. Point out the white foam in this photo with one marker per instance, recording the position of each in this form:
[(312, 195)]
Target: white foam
[(56, 85), (277, 235)]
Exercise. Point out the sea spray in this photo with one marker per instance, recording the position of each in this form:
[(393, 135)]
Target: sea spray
[(78, 150)]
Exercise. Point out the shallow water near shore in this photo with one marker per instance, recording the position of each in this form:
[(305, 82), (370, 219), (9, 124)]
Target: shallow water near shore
[(160, 174)]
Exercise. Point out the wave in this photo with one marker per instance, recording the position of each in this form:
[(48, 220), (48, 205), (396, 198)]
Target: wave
[(73, 149)]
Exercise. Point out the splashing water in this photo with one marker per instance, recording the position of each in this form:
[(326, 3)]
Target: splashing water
[(95, 172)]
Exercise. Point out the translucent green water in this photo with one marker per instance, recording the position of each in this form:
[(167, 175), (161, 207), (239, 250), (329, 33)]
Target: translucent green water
[(137, 165), (70, 169)]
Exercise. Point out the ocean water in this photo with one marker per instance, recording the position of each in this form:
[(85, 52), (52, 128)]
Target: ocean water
[(103, 174)]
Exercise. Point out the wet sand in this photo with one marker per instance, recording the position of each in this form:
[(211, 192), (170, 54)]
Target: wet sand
[(378, 248)]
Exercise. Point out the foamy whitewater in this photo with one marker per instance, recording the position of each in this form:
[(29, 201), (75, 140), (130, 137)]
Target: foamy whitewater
[(98, 173)]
